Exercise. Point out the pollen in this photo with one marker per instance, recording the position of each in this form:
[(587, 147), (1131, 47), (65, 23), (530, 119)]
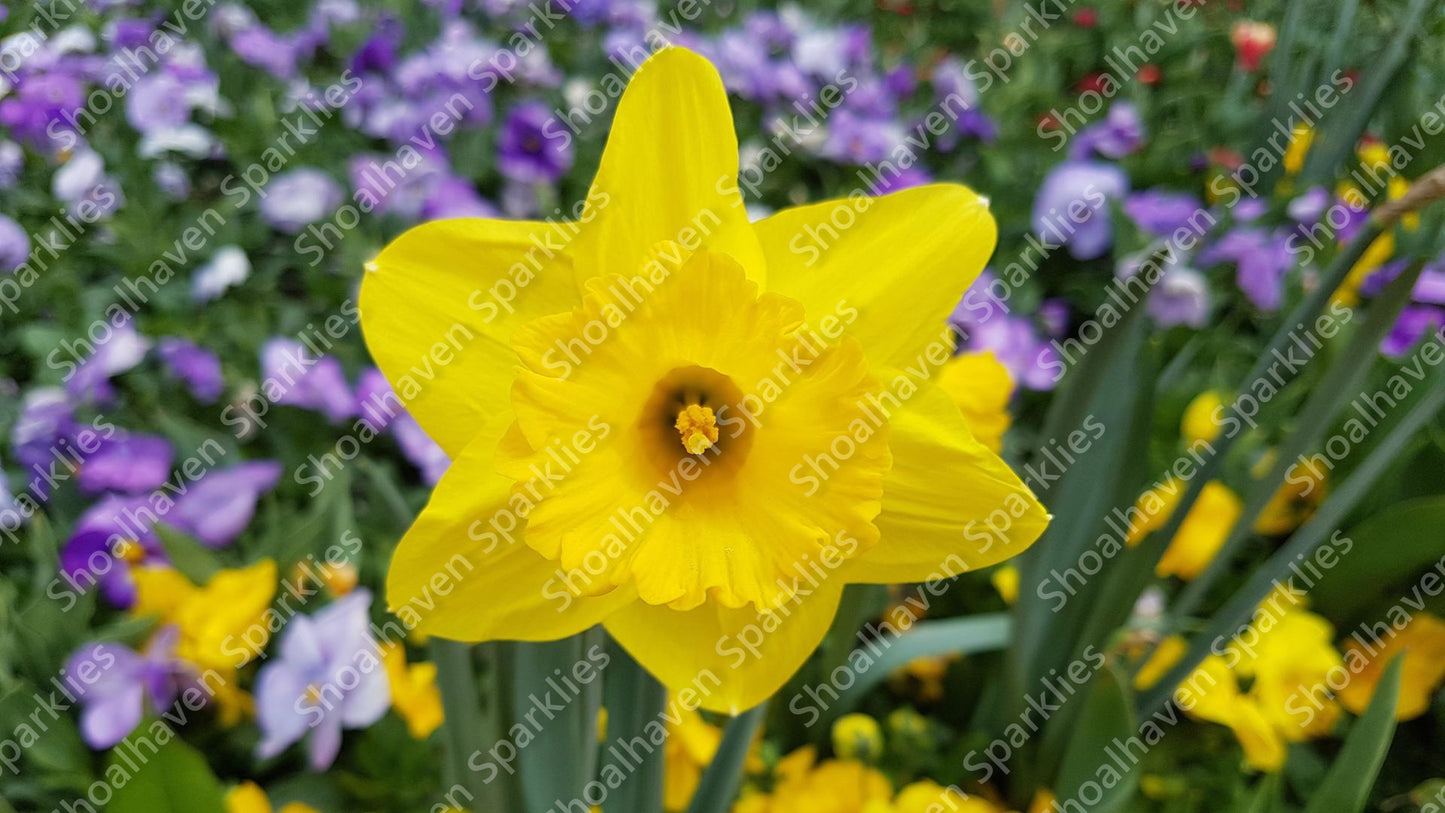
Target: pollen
[(129, 551), (698, 427)]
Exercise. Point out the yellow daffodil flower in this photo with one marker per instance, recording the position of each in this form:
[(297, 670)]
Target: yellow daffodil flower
[(981, 387), (1422, 639), (414, 693), (680, 424)]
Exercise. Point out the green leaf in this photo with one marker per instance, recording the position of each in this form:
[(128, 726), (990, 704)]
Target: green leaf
[(634, 702), (962, 636), (174, 779), (1106, 721), (558, 761), (1346, 787), (194, 560), (1267, 795), (1389, 547), (57, 748), (719, 784)]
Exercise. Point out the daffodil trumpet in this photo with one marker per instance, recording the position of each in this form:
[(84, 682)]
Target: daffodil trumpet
[(691, 428)]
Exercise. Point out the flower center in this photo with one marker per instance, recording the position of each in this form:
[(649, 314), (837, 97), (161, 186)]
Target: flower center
[(129, 551), (698, 427)]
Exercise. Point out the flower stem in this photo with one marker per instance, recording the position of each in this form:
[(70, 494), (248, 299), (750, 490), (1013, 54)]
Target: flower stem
[(467, 729), (635, 702)]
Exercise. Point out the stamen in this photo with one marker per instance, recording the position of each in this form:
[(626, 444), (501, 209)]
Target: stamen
[(698, 427), (128, 551)]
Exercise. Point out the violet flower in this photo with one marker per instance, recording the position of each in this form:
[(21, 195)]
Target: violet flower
[(418, 448), (114, 685), (524, 150), (14, 245), (117, 353), (327, 676), (219, 506), (1119, 134), (1162, 213), (1072, 207), (127, 463), (198, 368), (1261, 258), (299, 379), (107, 540)]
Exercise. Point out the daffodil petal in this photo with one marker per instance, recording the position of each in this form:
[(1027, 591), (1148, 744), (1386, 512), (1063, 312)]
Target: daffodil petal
[(669, 172), (734, 659), (438, 308), (949, 503), (464, 572), (903, 261)]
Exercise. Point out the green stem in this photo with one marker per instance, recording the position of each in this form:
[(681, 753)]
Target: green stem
[(467, 729), (719, 784)]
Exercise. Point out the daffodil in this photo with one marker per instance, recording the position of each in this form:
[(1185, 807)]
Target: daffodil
[(1422, 640), (414, 693), (680, 424)]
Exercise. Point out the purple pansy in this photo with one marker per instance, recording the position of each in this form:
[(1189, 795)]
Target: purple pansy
[(1261, 258), (117, 352), (1162, 213), (326, 676), (376, 402), (297, 378), (198, 368), (1119, 134), (114, 684), (14, 245), (228, 267), (418, 447), (107, 540), (127, 463), (524, 150), (1072, 206), (219, 506), (298, 198)]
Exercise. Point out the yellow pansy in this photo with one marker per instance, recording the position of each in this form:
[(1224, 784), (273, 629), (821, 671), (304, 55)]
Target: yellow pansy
[(1153, 508), (1202, 533), (1286, 660), (1300, 139), (1160, 661), (927, 796), (981, 387), (222, 624), (857, 736), (1299, 496), (583, 368), (691, 744), (1422, 639), (414, 692), (1005, 580), (832, 786), (248, 797), (1198, 424)]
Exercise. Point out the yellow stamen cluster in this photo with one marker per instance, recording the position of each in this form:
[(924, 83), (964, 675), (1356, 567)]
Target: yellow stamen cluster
[(698, 427)]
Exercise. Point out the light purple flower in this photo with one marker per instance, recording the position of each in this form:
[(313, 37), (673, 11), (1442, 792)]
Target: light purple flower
[(1413, 323), (1119, 134), (376, 403), (114, 684), (1162, 213), (44, 428), (219, 506), (299, 197), (157, 101), (127, 463), (14, 245), (327, 676), (118, 352), (107, 540), (12, 161), (1261, 258), (306, 381), (37, 100), (861, 139), (1072, 207), (83, 181), (1307, 208), (419, 448), (194, 365), (890, 182)]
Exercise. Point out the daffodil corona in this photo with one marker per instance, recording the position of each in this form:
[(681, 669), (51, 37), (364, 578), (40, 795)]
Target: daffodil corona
[(686, 426)]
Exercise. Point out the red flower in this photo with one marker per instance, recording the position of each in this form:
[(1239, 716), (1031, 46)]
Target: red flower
[(1252, 41)]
